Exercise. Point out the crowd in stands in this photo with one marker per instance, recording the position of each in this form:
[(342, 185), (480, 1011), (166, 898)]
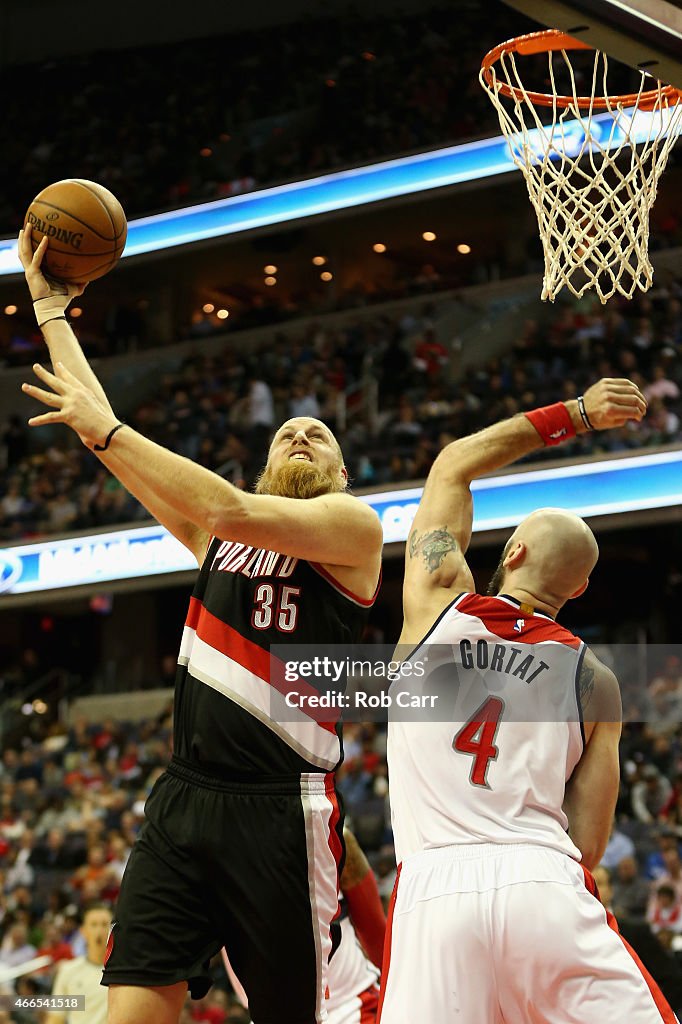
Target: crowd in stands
[(245, 110), (71, 800), (237, 112), (221, 410), (71, 803)]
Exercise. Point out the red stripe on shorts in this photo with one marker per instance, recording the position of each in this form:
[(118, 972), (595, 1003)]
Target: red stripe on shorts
[(387, 945), (335, 841), (666, 1013)]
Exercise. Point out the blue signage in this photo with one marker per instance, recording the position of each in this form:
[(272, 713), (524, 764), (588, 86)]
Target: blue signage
[(98, 558), (589, 489), (359, 186)]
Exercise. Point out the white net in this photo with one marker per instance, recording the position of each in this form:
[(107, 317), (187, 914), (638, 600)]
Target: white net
[(592, 173)]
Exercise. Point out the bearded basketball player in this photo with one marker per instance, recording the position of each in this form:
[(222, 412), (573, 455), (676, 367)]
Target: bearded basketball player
[(501, 810), (242, 843)]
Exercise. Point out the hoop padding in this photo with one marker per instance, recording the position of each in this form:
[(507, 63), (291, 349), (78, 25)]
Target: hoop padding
[(592, 171)]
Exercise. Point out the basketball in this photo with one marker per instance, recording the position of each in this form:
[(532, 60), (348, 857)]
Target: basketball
[(86, 228)]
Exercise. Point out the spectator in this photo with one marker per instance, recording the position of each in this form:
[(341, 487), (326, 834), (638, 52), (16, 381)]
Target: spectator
[(95, 871), (303, 402), (354, 782), (15, 948), (21, 871), (630, 891), (54, 945), (665, 910), (650, 795), (13, 504), (618, 847), (53, 851), (655, 866), (430, 355), (673, 870), (118, 853), (661, 423), (82, 974), (661, 386), (673, 810)]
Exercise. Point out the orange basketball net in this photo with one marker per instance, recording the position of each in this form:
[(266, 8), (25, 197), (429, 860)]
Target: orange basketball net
[(592, 180)]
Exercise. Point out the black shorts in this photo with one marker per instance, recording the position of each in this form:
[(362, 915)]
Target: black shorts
[(250, 866)]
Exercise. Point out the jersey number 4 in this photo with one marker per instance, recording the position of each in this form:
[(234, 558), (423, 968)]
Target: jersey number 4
[(477, 739)]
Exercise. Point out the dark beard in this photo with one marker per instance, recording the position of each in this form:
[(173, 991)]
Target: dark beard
[(297, 479), (497, 579)]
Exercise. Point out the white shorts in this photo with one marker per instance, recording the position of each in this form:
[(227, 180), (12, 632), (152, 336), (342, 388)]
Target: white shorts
[(361, 1009), (508, 935)]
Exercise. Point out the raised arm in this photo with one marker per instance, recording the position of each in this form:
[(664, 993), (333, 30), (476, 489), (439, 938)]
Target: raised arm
[(51, 299), (50, 302), (335, 529), (592, 790), (435, 566)]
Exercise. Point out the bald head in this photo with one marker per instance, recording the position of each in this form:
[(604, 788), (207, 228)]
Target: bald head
[(549, 557)]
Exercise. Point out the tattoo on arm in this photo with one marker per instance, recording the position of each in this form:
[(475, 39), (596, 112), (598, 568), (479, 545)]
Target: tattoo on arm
[(586, 685), (433, 546)]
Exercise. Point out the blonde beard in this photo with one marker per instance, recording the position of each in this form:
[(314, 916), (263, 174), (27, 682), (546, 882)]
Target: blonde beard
[(299, 479)]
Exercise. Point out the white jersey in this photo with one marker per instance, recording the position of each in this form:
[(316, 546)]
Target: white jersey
[(491, 763)]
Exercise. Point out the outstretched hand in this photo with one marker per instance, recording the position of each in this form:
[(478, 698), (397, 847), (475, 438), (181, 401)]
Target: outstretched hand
[(39, 284), (72, 403), (612, 401)]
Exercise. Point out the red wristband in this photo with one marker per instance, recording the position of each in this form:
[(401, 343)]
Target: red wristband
[(553, 423)]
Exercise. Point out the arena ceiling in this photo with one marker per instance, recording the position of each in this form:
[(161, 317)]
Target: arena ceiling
[(30, 32)]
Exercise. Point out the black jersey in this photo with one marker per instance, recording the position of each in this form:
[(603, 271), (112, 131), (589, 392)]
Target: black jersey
[(245, 600)]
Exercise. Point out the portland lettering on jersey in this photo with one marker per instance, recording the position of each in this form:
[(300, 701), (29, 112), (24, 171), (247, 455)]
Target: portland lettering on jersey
[(232, 556), (501, 658)]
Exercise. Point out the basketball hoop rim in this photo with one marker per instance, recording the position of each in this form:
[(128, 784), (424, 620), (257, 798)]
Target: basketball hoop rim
[(548, 41)]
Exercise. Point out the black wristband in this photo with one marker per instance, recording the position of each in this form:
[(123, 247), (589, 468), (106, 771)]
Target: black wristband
[(583, 413), (103, 447)]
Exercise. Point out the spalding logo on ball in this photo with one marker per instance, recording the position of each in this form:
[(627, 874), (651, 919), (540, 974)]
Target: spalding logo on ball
[(86, 227)]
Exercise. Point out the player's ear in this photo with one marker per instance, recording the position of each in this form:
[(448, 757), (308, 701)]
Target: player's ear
[(581, 590), (515, 555)]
